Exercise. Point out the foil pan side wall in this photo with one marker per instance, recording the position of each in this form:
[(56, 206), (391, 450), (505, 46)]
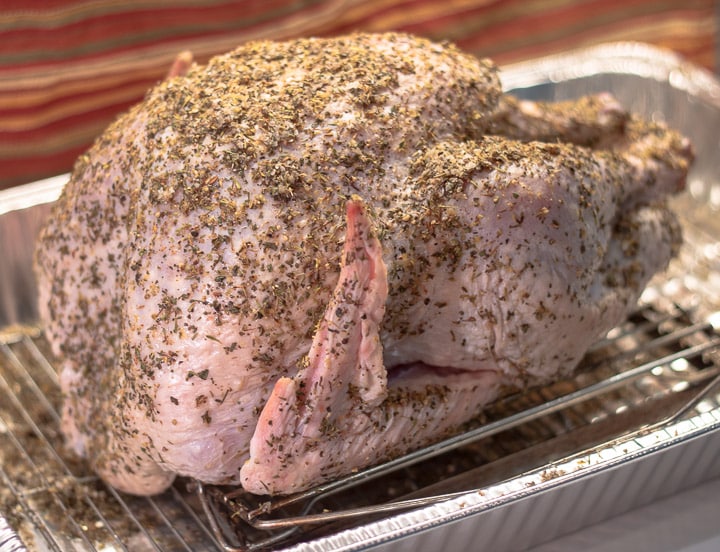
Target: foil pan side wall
[(23, 211), (547, 510)]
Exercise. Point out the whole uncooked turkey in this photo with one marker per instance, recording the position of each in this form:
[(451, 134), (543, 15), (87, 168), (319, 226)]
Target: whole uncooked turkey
[(312, 255)]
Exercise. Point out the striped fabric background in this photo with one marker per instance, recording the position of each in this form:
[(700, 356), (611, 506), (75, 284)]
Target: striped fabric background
[(68, 67)]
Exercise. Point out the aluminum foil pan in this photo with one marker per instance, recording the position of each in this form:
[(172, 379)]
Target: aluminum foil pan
[(560, 485)]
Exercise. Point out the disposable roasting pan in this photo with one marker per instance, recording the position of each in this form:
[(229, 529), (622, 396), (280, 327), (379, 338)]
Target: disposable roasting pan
[(640, 421)]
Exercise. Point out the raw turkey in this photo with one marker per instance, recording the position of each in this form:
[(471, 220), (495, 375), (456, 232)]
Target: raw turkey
[(310, 256)]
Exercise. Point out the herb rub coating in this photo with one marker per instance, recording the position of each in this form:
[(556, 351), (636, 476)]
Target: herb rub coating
[(309, 256)]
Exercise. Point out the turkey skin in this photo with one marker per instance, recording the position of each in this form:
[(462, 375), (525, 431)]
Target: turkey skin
[(309, 256)]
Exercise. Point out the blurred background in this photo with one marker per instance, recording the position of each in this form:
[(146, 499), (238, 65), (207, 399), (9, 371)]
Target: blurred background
[(67, 68)]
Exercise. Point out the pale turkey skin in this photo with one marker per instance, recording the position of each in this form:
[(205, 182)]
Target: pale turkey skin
[(185, 270)]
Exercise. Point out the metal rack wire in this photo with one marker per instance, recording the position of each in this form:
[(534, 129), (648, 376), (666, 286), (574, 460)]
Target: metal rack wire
[(52, 499)]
